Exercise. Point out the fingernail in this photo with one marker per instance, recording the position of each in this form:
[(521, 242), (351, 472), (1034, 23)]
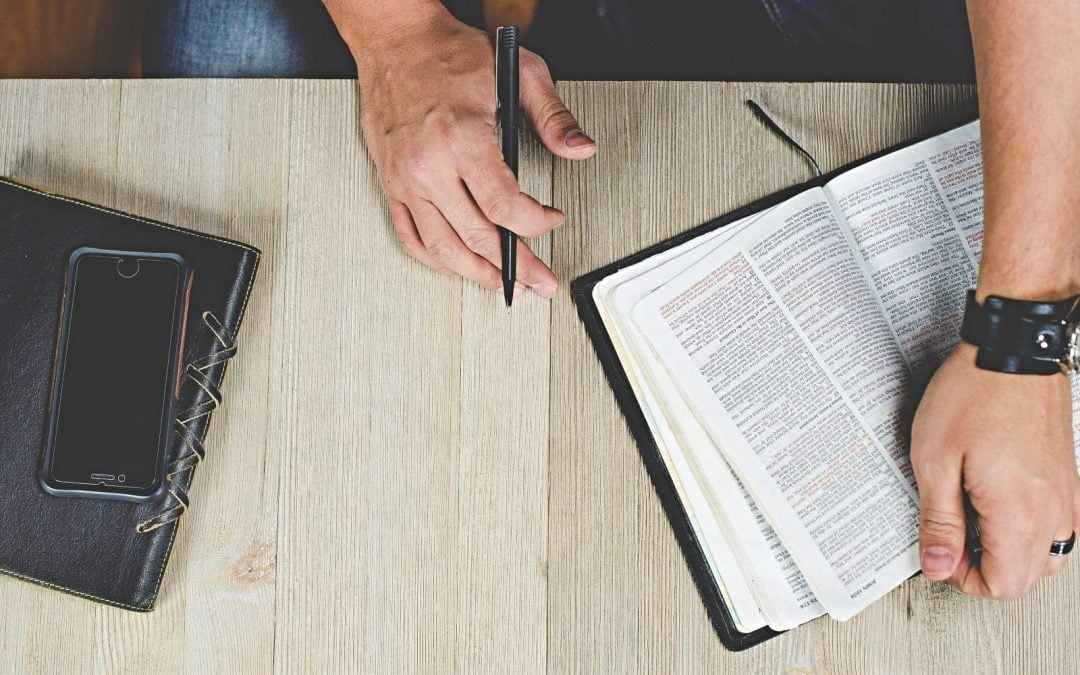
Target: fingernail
[(519, 288), (557, 216), (937, 562), (577, 139), (546, 288)]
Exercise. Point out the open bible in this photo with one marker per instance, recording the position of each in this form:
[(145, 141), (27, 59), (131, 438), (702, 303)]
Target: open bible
[(777, 363)]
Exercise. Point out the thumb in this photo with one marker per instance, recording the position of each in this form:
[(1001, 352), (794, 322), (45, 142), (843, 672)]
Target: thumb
[(558, 130), (942, 533)]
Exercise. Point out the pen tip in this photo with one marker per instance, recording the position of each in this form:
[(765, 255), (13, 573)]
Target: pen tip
[(508, 294)]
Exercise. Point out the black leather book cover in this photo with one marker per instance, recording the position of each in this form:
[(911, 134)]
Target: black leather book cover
[(91, 547)]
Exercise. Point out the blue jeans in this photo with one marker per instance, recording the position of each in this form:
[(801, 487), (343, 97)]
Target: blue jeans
[(242, 38), (868, 40)]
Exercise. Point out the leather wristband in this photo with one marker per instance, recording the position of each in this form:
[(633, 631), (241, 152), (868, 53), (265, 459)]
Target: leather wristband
[(1021, 336)]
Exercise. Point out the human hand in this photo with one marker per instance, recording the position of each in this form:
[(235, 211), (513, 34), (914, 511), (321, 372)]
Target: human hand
[(1006, 440), (428, 111)]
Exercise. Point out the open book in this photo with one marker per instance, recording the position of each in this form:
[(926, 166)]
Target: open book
[(778, 363)]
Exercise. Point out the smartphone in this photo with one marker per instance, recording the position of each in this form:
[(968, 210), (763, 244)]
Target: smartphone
[(116, 374)]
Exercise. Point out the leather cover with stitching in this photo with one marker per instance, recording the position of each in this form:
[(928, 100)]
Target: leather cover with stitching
[(88, 547)]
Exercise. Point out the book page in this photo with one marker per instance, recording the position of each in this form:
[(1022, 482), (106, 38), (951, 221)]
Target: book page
[(916, 218), (782, 591), (786, 599), (716, 546), (765, 377)]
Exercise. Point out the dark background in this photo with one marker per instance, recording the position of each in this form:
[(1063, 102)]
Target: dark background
[(69, 38)]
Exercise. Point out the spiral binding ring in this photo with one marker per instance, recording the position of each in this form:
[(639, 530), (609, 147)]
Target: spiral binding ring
[(188, 438)]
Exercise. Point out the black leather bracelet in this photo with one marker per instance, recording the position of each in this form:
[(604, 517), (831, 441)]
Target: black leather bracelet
[(1021, 336)]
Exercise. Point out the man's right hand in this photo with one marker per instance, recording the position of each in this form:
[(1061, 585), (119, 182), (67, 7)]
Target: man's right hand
[(428, 112)]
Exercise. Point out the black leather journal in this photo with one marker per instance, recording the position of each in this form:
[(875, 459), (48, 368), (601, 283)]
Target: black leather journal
[(110, 551)]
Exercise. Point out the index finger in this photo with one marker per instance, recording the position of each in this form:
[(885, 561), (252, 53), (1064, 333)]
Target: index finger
[(1015, 547), (968, 578)]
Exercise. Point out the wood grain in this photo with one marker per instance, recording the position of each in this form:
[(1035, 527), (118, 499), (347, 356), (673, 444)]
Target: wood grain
[(404, 478), (166, 136), (368, 375), (502, 472)]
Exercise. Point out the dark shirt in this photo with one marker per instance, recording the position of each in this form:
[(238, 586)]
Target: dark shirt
[(860, 40), (869, 40)]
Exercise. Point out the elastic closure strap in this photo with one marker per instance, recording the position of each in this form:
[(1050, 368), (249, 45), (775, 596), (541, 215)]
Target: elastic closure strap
[(207, 400)]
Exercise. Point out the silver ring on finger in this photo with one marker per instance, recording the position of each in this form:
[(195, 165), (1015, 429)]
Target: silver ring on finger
[(1060, 548)]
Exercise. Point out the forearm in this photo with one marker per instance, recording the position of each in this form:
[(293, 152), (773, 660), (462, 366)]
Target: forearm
[(1028, 65), (364, 24)]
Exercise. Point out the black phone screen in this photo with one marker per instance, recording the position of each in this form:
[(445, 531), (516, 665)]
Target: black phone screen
[(116, 371)]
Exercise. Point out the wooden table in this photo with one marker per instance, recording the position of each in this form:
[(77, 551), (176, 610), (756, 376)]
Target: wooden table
[(379, 495)]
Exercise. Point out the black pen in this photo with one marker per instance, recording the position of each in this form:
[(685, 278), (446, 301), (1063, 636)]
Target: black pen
[(506, 89)]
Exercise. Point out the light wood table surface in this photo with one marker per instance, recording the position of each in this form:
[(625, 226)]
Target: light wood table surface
[(403, 477)]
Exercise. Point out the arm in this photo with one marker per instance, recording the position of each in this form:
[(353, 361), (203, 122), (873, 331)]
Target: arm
[(427, 90), (1006, 440)]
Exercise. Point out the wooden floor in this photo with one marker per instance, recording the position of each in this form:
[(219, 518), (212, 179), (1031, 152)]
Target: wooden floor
[(403, 477)]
